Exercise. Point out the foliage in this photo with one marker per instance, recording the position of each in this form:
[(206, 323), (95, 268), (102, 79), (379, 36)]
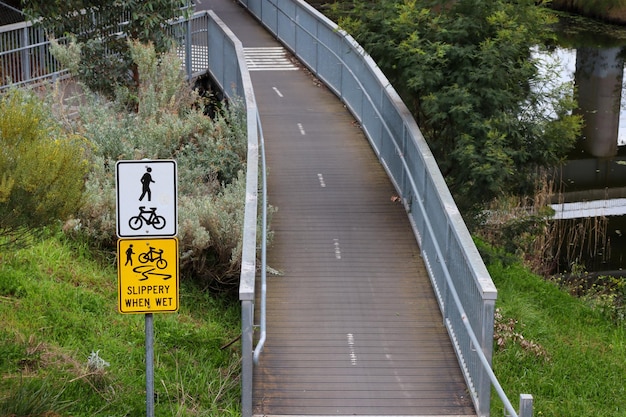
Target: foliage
[(167, 122), (35, 398), (102, 29), (467, 72), (42, 168), (524, 228), (604, 293), (66, 351), (506, 332), (563, 350)]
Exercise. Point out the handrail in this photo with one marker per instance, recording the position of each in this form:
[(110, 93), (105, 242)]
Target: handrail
[(263, 320), (227, 66), (525, 399)]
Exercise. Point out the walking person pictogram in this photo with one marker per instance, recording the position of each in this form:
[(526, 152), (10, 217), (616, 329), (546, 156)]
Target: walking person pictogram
[(129, 255), (146, 180)]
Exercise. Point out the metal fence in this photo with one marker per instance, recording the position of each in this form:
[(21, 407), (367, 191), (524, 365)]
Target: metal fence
[(25, 56), (464, 289), (227, 66)]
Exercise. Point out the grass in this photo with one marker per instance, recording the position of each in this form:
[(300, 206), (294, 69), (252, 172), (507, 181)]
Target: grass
[(66, 351), (58, 308), (567, 354)]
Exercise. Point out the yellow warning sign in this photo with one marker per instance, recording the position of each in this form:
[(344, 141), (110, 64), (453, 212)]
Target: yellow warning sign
[(147, 275)]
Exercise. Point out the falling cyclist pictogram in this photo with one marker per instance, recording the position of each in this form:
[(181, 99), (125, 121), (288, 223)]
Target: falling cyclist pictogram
[(155, 256)]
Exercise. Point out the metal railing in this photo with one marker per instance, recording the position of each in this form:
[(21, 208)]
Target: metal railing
[(192, 40), (25, 56), (227, 66), (464, 289)]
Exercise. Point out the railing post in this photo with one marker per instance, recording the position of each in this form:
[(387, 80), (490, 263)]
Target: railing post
[(25, 55), (188, 58), (525, 405), (486, 340), (247, 314)]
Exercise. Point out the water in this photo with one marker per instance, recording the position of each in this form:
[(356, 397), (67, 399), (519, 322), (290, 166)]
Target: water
[(593, 180)]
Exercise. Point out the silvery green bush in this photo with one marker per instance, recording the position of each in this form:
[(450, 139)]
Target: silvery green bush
[(166, 121)]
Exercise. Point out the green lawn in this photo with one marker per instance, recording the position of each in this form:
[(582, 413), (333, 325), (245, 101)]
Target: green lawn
[(58, 308), (572, 358)]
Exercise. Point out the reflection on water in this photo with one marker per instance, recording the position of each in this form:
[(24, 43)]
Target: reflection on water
[(596, 170), (599, 76)]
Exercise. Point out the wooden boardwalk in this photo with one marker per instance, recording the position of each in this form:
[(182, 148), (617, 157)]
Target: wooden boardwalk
[(353, 325)]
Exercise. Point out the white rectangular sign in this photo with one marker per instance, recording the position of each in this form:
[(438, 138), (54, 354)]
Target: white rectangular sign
[(146, 198)]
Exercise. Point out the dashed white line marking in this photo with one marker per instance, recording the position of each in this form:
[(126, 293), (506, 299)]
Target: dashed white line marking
[(353, 357), (278, 92), (320, 177), (337, 249), (301, 128)]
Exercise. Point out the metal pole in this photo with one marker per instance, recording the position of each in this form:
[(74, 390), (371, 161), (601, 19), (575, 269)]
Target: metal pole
[(525, 405), (25, 55), (149, 365), (247, 313), (188, 52)]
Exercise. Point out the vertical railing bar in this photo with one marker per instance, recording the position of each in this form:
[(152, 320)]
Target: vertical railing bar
[(25, 54), (263, 337), (188, 57)]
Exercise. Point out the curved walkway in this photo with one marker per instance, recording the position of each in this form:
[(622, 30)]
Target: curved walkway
[(353, 325)]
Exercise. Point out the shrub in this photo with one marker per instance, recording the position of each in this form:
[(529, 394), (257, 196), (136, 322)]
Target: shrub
[(167, 122), (42, 168)]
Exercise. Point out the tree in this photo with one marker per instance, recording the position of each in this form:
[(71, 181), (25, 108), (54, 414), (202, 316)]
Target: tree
[(103, 28), (42, 169), (466, 70)]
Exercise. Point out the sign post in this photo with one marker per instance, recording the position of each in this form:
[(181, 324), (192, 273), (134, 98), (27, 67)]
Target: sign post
[(147, 248), (149, 365)]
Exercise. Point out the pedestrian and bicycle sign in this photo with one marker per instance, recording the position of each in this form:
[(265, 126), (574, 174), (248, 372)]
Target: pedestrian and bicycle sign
[(146, 198), (147, 251), (147, 274)]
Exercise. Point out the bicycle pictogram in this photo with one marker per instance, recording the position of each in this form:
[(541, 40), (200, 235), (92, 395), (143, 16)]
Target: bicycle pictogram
[(152, 219), (153, 255)]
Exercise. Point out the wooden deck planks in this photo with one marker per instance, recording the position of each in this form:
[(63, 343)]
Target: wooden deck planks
[(353, 326)]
